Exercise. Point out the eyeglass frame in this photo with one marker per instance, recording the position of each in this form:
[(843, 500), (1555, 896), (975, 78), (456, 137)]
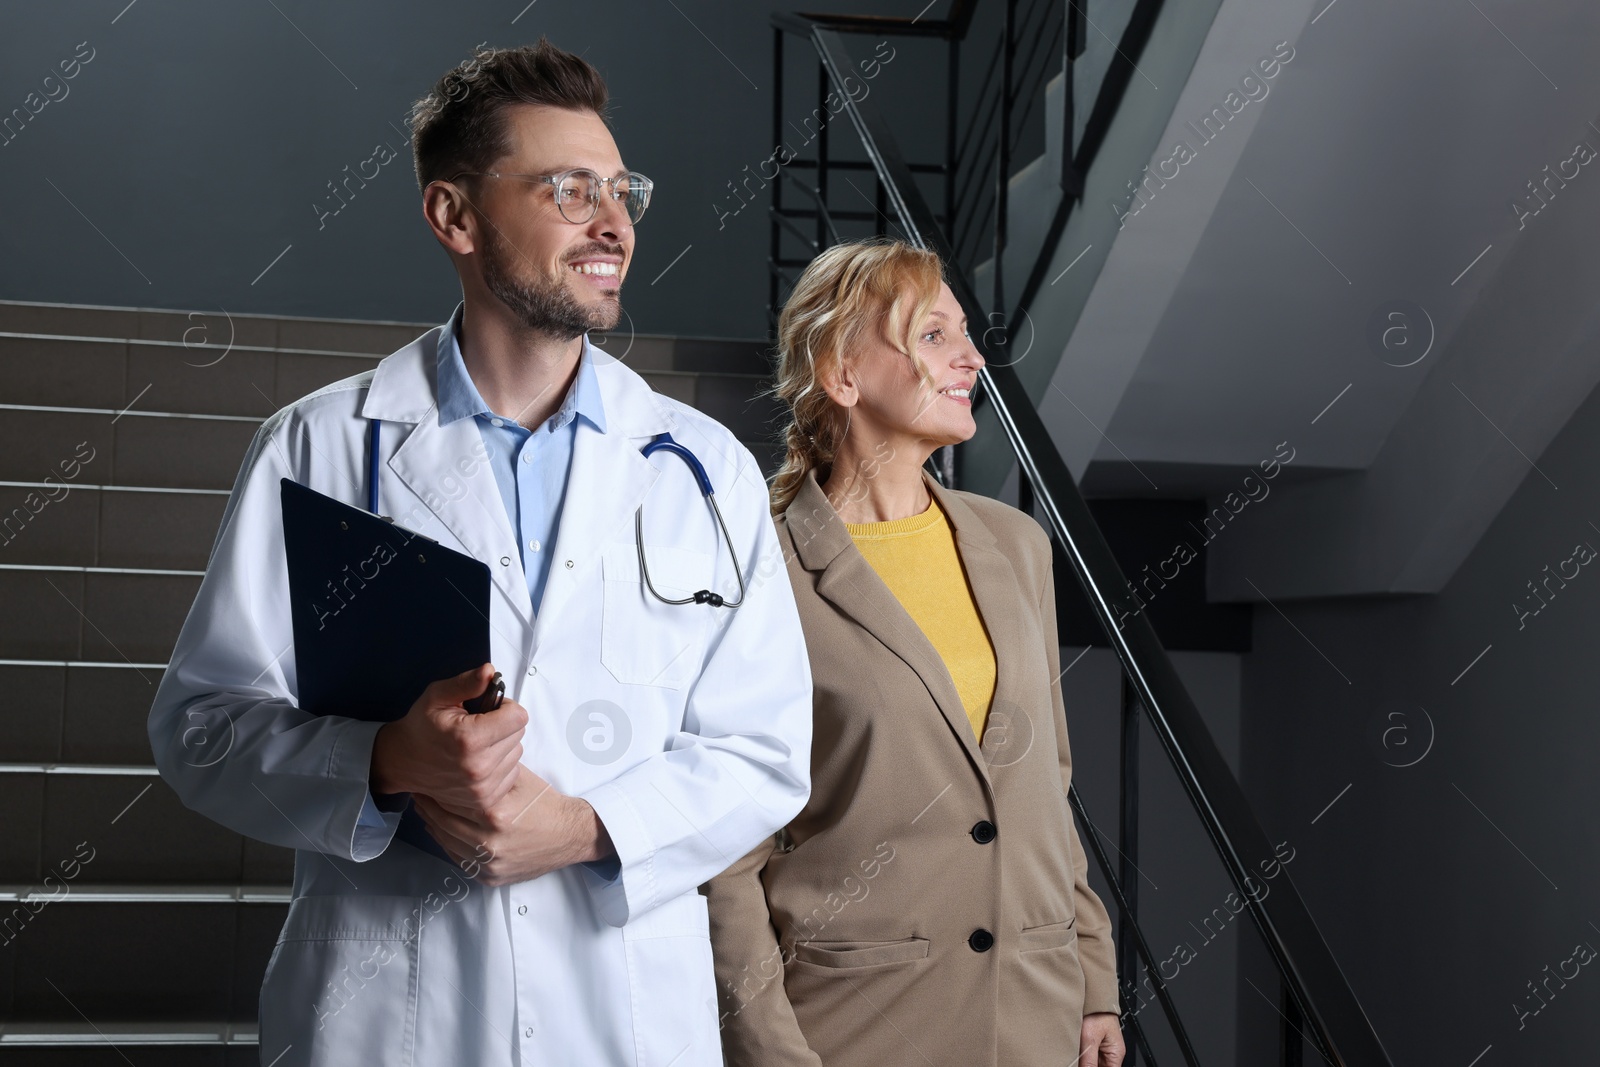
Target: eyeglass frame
[(555, 180)]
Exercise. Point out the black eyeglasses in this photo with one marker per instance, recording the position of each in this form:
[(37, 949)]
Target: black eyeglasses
[(577, 192)]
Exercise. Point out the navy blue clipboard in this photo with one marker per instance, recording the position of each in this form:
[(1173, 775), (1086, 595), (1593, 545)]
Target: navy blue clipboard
[(380, 613)]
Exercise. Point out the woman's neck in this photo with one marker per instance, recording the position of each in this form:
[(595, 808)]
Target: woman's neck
[(877, 484)]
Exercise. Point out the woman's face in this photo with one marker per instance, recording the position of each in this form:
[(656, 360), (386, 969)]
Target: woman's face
[(888, 401)]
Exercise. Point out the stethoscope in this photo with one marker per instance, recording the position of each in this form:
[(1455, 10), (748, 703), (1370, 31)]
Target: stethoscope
[(658, 443)]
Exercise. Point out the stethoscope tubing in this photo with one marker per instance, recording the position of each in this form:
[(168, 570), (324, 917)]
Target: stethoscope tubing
[(661, 442)]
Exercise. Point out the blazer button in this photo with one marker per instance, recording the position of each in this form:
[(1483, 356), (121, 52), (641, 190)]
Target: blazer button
[(983, 831), (981, 941)]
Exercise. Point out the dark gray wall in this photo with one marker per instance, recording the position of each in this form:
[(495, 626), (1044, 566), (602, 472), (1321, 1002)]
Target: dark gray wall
[(189, 151), (1181, 882), (1446, 886)]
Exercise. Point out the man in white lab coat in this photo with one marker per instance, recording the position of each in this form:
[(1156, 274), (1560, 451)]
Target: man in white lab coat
[(642, 747)]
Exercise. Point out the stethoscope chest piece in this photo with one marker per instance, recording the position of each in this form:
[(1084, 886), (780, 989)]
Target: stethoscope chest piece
[(664, 442)]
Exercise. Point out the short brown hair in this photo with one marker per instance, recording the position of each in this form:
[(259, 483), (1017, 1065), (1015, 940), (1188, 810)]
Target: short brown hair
[(460, 124)]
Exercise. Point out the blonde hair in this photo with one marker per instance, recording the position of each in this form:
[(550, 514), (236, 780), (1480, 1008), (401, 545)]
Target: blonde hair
[(845, 294)]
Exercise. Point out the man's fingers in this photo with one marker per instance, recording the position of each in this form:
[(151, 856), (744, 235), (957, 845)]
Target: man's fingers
[(473, 801), (493, 771), (506, 773), (483, 739), (448, 828), (451, 692), (508, 720)]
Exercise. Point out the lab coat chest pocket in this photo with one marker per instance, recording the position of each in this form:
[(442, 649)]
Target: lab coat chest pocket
[(342, 982), (642, 640), (670, 978)]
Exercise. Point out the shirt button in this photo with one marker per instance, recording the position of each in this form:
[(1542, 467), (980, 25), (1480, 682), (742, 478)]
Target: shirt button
[(534, 545), (981, 940), (532, 671), (496, 422), (527, 457), (505, 561), (569, 564), (522, 909), (528, 1032), (983, 831)]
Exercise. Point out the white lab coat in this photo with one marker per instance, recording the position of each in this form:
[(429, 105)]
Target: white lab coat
[(699, 748)]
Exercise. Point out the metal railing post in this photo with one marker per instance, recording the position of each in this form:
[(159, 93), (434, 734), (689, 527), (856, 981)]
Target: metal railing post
[(822, 156), (1002, 168), (1128, 835), (774, 231)]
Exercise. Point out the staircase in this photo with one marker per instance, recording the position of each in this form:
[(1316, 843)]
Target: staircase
[(131, 929)]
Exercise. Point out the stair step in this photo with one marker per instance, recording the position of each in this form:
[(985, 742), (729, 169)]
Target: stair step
[(72, 524), (76, 712), (133, 448), (117, 373), (83, 893), (108, 526), (252, 381), (155, 963), (76, 614), (161, 449), (215, 332), (134, 829), (119, 1044), (217, 327)]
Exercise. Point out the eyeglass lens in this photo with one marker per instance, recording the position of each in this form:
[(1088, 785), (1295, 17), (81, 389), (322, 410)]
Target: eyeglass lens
[(578, 196)]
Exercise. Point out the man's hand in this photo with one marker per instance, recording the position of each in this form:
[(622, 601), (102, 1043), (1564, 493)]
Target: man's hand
[(1100, 1044), (466, 762), (530, 831)]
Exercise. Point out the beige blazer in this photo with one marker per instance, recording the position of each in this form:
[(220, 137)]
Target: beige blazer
[(929, 903)]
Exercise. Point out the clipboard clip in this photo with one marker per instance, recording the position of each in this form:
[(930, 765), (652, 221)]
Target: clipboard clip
[(490, 699)]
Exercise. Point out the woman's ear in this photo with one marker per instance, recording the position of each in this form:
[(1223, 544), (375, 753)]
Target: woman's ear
[(841, 386)]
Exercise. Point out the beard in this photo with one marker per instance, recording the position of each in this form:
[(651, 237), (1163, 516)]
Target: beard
[(540, 304)]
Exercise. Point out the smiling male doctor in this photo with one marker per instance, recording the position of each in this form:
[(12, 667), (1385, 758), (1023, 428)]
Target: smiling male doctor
[(642, 746)]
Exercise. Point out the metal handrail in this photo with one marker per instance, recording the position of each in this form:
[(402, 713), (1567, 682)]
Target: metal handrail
[(1311, 975)]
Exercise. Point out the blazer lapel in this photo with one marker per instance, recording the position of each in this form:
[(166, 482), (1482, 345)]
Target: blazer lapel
[(999, 599), (848, 581)]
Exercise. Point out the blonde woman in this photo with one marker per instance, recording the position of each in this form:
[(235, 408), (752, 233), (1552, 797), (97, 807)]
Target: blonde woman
[(929, 904)]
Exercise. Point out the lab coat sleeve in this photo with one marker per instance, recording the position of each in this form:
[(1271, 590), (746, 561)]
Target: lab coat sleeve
[(1096, 954), (739, 769), (224, 728)]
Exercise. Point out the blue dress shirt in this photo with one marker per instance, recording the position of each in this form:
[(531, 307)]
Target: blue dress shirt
[(530, 466)]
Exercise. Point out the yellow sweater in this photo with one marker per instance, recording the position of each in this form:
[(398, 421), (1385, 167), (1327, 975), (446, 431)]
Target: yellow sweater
[(917, 559)]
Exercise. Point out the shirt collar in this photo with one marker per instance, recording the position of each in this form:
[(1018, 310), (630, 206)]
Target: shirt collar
[(459, 397)]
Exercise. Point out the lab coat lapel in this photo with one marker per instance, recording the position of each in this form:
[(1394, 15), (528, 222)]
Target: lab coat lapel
[(438, 462), (608, 480), (848, 581)]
